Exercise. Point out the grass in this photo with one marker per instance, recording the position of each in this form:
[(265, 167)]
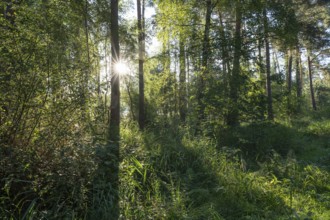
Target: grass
[(257, 171), (197, 179)]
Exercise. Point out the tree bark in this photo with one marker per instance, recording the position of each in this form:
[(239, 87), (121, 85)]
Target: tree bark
[(268, 79), (140, 15), (298, 73), (261, 65), (205, 57), (182, 81), (114, 127), (225, 56), (289, 71), (130, 101), (311, 82), (115, 91), (87, 70), (234, 82), (299, 79)]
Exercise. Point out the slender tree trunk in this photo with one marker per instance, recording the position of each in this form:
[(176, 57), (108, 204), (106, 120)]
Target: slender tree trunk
[(114, 127), (206, 40), (86, 33), (301, 70), (87, 70), (140, 15), (182, 81), (188, 63), (130, 101), (234, 83), (289, 61), (263, 84), (298, 79), (298, 73), (167, 83), (115, 92), (261, 61), (106, 109), (268, 79), (176, 101), (225, 56), (205, 57), (311, 81), (289, 71), (276, 63)]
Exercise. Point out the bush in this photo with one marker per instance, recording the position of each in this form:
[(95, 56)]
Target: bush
[(257, 140)]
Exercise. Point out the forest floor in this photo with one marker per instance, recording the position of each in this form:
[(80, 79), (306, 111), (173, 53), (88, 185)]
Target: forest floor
[(257, 171), (264, 170)]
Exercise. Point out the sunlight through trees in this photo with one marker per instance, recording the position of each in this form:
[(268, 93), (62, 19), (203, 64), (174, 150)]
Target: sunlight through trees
[(162, 109)]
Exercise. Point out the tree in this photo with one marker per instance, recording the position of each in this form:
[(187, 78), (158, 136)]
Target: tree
[(234, 83), (182, 81), (288, 60), (310, 74), (114, 127), (141, 42), (115, 92), (205, 56), (299, 79), (268, 79)]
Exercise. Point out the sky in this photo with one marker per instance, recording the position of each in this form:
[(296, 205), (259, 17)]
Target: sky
[(152, 48)]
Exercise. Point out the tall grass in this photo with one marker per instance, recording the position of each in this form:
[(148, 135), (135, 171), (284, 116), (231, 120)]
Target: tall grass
[(183, 178), (170, 174)]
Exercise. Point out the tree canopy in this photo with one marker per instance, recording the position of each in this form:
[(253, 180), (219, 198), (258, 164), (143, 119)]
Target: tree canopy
[(108, 108)]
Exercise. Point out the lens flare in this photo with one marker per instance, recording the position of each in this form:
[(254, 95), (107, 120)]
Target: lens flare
[(121, 68)]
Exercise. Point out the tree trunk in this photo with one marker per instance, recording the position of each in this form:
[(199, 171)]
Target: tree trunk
[(182, 81), (114, 127), (225, 56), (311, 82), (188, 81), (205, 57), (140, 15), (130, 101), (234, 83), (268, 79), (261, 62), (106, 109), (289, 71), (298, 74), (115, 92), (87, 70), (206, 40)]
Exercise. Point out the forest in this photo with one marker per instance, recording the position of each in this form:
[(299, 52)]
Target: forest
[(165, 109)]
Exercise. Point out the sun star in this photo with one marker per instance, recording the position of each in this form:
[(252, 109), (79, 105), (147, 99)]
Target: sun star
[(121, 68)]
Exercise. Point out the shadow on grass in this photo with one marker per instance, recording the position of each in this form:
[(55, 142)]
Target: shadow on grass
[(258, 141), (105, 187), (211, 185), (168, 175)]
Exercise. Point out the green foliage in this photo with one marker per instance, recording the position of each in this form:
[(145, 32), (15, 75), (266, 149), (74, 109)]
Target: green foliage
[(50, 182), (168, 174), (320, 128), (56, 162), (257, 140), (171, 177), (46, 164)]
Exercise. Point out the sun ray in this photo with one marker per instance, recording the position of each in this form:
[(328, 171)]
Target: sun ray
[(121, 68)]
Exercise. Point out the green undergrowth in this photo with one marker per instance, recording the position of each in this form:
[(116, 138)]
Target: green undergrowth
[(170, 175), (255, 171)]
